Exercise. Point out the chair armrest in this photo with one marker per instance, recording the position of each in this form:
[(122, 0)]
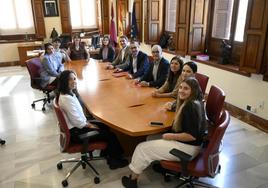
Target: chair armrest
[(181, 155), (184, 160), (88, 135)]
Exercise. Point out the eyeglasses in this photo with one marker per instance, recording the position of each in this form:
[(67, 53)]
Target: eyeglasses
[(155, 52)]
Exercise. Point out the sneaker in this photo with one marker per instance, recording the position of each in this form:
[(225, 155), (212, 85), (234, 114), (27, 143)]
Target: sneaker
[(117, 163), (128, 182)]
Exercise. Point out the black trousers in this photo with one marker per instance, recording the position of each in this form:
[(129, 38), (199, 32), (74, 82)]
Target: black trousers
[(113, 150)]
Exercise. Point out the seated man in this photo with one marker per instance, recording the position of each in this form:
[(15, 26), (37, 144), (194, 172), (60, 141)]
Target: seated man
[(61, 54), (122, 59), (158, 70), (139, 62)]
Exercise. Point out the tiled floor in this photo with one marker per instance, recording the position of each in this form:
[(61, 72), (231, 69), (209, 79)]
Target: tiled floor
[(28, 160)]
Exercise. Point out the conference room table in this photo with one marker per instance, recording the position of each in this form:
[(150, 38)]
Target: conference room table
[(118, 102)]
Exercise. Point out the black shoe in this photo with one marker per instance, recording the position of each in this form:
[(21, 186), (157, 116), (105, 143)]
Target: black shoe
[(128, 182), (117, 163)]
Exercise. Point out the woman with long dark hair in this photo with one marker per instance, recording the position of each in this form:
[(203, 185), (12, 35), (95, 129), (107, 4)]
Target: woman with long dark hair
[(170, 87), (78, 123)]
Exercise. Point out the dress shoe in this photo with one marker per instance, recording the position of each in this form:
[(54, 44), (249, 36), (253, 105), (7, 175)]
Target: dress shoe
[(128, 182)]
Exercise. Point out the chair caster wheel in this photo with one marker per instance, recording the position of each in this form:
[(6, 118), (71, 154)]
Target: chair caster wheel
[(33, 105), (2, 142), (43, 109), (84, 165), (59, 166), (96, 180), (64, 183)]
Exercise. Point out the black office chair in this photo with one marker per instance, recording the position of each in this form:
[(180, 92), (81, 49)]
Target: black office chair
[(34, 65)]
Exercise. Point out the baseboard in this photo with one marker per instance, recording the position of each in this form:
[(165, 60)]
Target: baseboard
[(247, 117), (12, 63)]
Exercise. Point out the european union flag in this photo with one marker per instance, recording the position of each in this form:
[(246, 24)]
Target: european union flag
[(134, 27)]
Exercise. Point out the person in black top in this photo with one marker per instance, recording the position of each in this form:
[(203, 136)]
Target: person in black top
[(107, 52), (186, 133)]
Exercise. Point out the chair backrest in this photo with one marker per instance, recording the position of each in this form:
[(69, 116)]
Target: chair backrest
[(203, 81), (210, 155), (214, 104), (34, 66), (64, 130)]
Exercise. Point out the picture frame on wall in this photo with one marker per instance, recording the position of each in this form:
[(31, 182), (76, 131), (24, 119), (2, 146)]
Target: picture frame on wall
[(50, 8)]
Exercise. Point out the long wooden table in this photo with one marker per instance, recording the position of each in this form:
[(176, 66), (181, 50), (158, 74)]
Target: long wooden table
[(118, 102)]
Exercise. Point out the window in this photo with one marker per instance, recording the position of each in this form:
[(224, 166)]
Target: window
[(171, 6), (16, 17), (222, 19), (83, 14), (241, 20)]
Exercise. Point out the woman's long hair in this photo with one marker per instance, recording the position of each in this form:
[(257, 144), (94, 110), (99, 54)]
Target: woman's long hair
[(196, 97), (63, 82), (173, 77)]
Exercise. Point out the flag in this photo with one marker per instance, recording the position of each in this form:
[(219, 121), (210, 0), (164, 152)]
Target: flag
[(113, 37), (134, 27), (120, 20)]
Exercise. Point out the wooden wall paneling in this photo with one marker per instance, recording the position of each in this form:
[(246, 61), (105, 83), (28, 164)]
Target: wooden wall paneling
[(182, 26), (198, 24), (99, 16), (155, 20), (139, 12), (39, 18), (255, 36), (264, 69), (145, 13), (65, 17), (106, 16)]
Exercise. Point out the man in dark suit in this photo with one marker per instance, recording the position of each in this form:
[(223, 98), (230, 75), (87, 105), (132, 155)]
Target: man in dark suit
[(139, 62), (158, 70)]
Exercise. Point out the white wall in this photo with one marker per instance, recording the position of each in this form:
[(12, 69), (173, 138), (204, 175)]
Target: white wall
[(9, 52), (240, 90)]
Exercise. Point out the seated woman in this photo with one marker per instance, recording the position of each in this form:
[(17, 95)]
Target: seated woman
[(77, 50), (107, 52), (78, 123), (51, 66), (186, 134), (171, 86), (188, 70)]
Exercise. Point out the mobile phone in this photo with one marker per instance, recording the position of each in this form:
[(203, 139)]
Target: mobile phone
[(156, 123)]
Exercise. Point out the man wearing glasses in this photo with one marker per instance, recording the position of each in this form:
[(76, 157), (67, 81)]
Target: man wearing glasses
[(158, 70)]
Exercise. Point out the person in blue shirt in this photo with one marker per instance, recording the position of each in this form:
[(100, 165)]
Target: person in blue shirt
[(51, 66)]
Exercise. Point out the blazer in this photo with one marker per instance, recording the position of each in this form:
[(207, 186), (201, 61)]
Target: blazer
[(51, 67), (118, 62), (142, 65), (111, 54), (161, 75)]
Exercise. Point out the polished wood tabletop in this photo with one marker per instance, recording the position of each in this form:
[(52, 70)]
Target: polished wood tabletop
[(118, 102)]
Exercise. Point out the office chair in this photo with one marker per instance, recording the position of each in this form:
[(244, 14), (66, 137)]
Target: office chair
[(2, 142), (206, 164), (203, 81), (34, 66), (85, 149), (214, 105)]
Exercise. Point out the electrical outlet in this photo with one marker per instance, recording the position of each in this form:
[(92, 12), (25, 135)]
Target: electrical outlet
[(248, 107), (251, 108)]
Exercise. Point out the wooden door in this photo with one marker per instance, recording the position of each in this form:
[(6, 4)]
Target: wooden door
[(255, 33), (138, 9), (39, 19), (65, 17), (182, 26), (155, 20), (198, 24), (145, 13)]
